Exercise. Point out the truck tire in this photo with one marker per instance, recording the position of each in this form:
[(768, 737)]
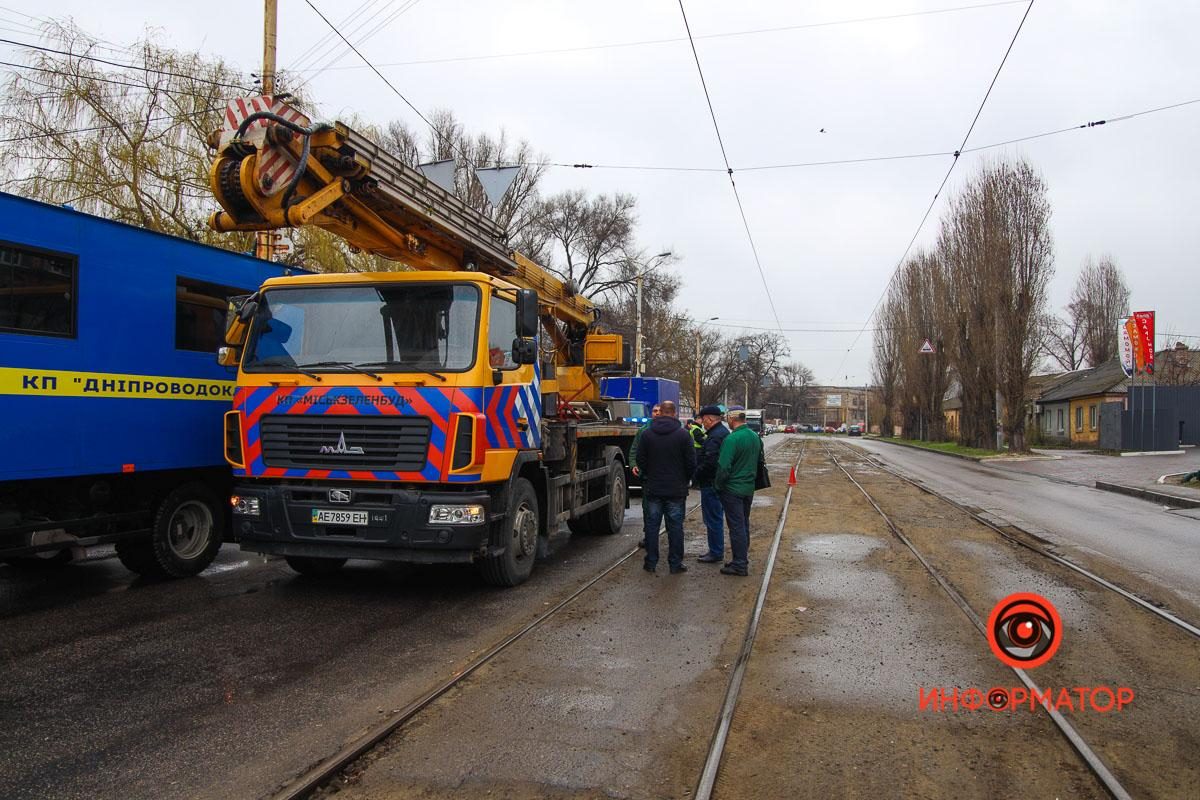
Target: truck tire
[(606, 520), (518, 535), (315, 567), (185, 537)]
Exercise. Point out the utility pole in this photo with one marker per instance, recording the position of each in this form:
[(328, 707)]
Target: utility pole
[(637, 341), (639, 367), (263, 239), (699, 336)]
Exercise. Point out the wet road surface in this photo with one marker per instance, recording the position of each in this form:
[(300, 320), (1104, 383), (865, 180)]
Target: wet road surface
[(1132, 535)]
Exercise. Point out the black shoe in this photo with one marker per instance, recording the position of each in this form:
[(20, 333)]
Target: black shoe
[(730, 569), (708, 558), (649, 567), (679, 569)]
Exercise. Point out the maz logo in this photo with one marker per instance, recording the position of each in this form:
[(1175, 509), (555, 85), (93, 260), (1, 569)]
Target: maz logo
[(341, 449)]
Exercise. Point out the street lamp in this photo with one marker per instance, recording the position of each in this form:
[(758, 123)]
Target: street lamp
[(639, 367), (699, 331)]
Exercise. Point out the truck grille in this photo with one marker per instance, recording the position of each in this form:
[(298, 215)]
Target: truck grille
[(398, 444)]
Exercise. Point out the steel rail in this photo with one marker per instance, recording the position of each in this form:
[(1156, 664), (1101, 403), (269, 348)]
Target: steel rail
[(314, 778), (716, 747), (1071, 565), (1093, 761)]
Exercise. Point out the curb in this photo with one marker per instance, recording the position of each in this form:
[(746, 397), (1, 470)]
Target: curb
[(963, 456), (1149, 494)]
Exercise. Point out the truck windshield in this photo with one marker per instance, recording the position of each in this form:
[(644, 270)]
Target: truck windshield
[(410, 326)]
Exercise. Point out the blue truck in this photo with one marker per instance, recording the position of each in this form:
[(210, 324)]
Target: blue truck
[(110, 394), (640, 390)]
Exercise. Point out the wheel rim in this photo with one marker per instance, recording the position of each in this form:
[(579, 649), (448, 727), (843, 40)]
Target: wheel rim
[(616, 505), (190, 529), (524, 532)]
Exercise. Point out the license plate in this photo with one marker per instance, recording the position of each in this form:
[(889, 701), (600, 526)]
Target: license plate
[(334, 516)]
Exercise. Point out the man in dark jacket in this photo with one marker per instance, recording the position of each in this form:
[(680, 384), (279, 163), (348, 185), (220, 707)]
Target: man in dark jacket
[(666, 460), (706, 473)]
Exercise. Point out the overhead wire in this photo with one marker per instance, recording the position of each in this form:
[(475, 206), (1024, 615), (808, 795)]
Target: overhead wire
[(324, 39), (390, 85), (954, 162), (675, 40), (728, 169), (899, 157), (335, 47), (338, 56), (137, 67)]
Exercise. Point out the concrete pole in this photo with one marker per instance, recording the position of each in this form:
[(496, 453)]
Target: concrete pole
[(262, 239), (696, 397)]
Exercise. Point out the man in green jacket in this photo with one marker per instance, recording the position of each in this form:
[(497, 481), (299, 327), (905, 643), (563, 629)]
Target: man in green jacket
[(737, 468)]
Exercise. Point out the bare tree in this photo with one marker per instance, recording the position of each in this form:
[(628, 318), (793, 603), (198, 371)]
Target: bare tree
[(1062, 341), (1026, 264), (590, 241), (967, 247), (1099, 299), (885, 362), (448, 139)]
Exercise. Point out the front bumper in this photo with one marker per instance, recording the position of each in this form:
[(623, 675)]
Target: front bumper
[(396, 528)]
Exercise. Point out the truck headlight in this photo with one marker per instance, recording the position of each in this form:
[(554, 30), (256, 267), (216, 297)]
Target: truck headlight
[(245, 505), (456, 515)]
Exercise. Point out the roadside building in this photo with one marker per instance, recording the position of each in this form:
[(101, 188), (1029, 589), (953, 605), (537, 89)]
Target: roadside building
[(1047, 422), (835, 406), (952, 410), (1069, 410)]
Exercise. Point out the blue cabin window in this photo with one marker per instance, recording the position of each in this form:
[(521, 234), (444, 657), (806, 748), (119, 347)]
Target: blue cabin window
[(200, 314), (37, 291)]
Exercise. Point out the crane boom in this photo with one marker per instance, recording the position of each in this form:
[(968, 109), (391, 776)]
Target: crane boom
[(274, 169)]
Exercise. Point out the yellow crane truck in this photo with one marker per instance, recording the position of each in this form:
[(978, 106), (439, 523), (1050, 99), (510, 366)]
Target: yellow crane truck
[(446, 413)]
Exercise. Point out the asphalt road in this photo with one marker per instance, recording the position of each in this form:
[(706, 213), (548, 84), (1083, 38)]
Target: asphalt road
[(231, 683), (1112, 531)]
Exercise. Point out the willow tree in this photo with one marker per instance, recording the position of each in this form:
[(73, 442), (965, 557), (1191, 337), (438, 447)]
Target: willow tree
[(122, 142)]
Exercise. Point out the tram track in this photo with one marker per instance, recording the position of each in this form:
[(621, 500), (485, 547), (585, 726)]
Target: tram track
[(324, 773), (1087, 752)]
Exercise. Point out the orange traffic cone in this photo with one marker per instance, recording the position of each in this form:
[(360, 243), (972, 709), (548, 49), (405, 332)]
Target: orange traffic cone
[(792, 477)]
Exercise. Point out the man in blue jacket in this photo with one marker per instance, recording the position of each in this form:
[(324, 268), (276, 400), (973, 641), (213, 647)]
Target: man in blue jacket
[(706, 473), (666, 459)]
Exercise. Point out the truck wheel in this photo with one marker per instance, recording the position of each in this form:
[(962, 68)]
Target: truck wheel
[(517, 534), (315, 567), (185, 538), (607, 520)]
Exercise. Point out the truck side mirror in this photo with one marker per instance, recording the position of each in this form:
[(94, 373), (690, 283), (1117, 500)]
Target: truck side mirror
[(228, 356), (524, 351), (527, 314), (238, 318)]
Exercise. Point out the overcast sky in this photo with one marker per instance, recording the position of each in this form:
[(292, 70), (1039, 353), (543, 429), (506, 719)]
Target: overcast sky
[(829, 236)]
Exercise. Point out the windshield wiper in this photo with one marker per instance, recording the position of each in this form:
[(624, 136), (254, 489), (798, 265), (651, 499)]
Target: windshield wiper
[(404, 368), (345, 364), (275, 361)]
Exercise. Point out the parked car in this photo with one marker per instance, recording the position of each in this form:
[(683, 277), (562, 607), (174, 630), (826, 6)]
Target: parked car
[(855, 430), (790, 429)]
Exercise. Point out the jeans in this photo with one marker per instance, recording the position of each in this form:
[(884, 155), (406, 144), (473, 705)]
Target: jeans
[(655, 508), (737, 515), (714, 516)]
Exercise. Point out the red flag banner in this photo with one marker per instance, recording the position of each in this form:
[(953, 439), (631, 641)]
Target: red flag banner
[(1145, 328)]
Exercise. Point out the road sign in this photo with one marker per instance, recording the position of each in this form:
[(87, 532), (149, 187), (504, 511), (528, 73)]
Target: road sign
[(927, 348)]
